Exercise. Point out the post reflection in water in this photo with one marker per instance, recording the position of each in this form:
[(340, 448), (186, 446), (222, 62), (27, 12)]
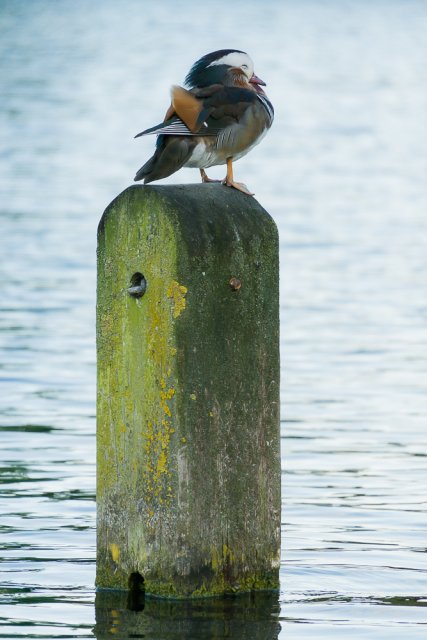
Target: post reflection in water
[(123, 614)]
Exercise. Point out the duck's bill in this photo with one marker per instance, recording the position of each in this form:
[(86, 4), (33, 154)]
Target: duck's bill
[(256, 80)]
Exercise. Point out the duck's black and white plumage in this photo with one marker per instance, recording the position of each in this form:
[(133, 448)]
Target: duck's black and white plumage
[(222, 115)]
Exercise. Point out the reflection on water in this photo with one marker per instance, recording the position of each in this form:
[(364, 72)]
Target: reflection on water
[(238, 618), (343, 172)]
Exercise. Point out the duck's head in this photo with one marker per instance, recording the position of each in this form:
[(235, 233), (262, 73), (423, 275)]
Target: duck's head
[(226, 66)]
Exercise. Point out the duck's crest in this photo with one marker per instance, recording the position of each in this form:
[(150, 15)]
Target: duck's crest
[(202, 75)]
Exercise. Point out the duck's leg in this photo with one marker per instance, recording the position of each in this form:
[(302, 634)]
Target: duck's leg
[(229, 180), (205, 177)]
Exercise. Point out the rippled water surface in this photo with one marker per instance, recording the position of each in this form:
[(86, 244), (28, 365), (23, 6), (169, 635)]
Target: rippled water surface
[(343, 173)]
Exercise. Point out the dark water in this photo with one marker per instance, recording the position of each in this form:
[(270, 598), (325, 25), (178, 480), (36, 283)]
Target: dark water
[(343, 172)]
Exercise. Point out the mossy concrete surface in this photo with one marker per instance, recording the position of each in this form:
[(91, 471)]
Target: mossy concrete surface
[(188, 447)]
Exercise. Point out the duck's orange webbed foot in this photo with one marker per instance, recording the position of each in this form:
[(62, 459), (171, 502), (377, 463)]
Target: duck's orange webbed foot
[(205, 177), (229, 180), (238, 185)]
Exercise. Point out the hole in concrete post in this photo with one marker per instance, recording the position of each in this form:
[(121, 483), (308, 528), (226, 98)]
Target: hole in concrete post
[(136, 597), (136, 581), (138, 285)]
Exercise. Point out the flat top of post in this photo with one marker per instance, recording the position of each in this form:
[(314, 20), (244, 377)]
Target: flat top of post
[(195, 201)]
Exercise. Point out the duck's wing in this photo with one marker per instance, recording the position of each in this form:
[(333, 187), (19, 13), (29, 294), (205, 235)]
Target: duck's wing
[(171, 127), (209, 111), (186, 116)]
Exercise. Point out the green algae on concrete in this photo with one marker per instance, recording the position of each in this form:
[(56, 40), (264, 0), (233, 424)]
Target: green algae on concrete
[(188, 460)]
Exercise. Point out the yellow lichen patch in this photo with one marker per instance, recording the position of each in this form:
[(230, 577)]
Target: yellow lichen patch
[(115, 552), (177, 292), (167, 395), (161, 463), (156, 451), (158, 433), (164, 396)]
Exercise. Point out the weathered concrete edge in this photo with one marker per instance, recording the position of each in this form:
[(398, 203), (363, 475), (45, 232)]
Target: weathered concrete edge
[(162, 191)]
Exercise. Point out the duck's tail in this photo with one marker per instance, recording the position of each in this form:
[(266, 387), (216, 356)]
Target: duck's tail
[(171, 154)]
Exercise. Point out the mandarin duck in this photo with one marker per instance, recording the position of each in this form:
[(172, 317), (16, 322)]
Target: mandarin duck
[(221, 116)]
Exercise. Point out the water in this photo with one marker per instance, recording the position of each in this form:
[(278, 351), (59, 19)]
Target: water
[(343, 173)]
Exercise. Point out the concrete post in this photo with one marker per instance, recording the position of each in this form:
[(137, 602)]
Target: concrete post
[(188, 463)]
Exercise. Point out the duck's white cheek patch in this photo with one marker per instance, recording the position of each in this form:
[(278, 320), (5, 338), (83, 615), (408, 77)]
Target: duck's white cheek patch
[(236, 59)]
